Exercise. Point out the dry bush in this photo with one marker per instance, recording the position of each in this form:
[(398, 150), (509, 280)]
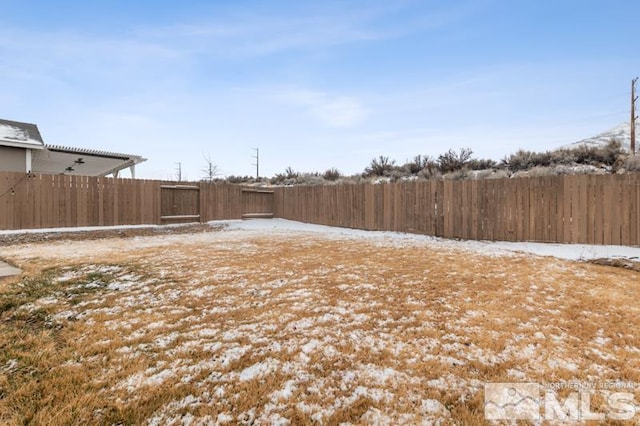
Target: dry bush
[(632, 163), (581, 169), (489, 174), (430, 172), (332, 174), (592, 155), (380, 166), (525, 160), (452, 161), (598, 156), (309, 179), (461, 174), (240, 179), (351, 180), (418, 164), (481, 164)]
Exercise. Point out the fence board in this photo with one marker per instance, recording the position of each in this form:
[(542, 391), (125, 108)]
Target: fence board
[(637, 209), (634, 208), (625, 212)]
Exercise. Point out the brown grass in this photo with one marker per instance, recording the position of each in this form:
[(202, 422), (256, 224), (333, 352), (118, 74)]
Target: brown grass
[(246, 326)]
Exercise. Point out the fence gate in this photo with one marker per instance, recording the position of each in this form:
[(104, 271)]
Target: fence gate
[(257, 203), (179, 203)]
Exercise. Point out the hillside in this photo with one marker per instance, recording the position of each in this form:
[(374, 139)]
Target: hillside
[(621, 133)]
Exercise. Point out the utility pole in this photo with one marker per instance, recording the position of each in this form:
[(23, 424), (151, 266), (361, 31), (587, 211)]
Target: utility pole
[(257, 163), (179, 171), (634, 98)]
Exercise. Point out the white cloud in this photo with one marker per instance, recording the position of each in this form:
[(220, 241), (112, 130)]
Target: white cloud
[(259, 34), (330, 110), (255, 32)]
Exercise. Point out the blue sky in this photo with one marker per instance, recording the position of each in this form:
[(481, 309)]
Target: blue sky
[(315, 84)]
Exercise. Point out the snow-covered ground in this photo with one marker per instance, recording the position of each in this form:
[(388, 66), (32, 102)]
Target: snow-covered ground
[(84, 229), (560, 251), (280, 322), (500, 248), (620, 133)]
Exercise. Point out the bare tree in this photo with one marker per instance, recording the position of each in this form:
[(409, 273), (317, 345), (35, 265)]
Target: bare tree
[(210, 171)]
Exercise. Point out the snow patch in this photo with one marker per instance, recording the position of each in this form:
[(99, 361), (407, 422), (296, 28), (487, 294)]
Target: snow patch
[(259, 369)]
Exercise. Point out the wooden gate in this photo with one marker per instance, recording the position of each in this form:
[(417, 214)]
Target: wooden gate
[(257, 203), (179, 203)]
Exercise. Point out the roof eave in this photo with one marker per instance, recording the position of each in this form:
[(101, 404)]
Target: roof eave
[(18, 144), (122, 166), (96, 153)]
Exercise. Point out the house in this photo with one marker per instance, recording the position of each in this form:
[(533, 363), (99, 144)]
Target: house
[(23, 150)]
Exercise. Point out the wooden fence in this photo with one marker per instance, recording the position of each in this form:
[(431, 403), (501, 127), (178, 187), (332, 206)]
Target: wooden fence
[(46, 201), (565, 209), (50, 201)]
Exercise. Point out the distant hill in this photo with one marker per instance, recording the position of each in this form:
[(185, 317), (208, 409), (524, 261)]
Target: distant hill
[(621, 133)]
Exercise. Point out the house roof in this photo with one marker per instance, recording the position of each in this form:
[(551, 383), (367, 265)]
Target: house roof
[(62, 159), (81, 161), (21, 135)]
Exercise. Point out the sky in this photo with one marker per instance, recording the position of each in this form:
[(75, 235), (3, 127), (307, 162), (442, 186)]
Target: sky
[(315, 84)]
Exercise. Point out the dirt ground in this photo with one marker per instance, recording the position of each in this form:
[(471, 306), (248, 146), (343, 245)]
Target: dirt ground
[(38, 237), (293, 327)]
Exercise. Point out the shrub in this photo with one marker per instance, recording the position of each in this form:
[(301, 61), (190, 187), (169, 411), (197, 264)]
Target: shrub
[(481, 164), (278, 179), (580, 169), (240, 179), (536, 171), (488, 174), (289, 175), (632, 163), (524, 160), (418, 163), (451, 161), (332, 174), (461, 174), (306, 179), (355, 179), (607, 155), (398, 174), (380, 166)]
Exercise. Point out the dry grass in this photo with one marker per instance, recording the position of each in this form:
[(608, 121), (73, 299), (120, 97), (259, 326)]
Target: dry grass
[(243, 326)]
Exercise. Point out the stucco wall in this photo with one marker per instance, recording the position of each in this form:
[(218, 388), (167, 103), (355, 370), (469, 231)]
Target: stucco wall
[(13, 159)]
